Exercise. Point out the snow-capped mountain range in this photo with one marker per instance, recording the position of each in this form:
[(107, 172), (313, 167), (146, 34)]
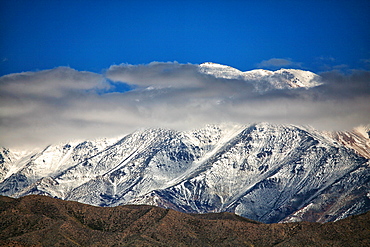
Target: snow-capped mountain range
[(265, 172), (264, 80)]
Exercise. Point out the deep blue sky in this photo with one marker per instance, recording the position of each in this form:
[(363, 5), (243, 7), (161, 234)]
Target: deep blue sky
[(93, 35)]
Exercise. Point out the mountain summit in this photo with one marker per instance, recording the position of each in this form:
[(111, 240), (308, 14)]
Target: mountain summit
[(264, 80), (265, 172)]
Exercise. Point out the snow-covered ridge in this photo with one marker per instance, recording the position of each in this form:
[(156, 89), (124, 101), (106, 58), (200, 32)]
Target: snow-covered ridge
[(264, 80), (262, 171)]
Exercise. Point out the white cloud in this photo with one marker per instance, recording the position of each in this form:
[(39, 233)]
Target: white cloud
[(50, 83), (56, 105), (157, 74)]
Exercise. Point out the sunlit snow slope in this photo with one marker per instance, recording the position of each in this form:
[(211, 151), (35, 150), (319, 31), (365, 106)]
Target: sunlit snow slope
[(265, 172)]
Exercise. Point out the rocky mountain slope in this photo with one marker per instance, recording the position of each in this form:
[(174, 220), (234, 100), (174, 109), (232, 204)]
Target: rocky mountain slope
[(357, 139), (265, 172), (45, 221)]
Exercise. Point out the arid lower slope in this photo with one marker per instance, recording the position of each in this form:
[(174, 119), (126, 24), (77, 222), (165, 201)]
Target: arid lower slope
[(45, 221)]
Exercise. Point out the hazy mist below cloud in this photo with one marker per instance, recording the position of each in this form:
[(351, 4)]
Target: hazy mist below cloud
[(40, 108)]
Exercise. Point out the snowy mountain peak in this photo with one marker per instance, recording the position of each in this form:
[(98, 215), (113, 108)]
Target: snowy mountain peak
[(213, 65), (263, 171), (299, 78), (264, 80), (220, 71)]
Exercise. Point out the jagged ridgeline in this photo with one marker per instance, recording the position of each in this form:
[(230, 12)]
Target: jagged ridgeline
[(264, 172), (264, 80)]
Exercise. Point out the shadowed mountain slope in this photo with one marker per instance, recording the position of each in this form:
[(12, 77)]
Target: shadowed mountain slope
[(45, 221)]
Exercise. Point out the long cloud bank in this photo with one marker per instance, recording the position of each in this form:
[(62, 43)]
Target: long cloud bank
[(39, 108)]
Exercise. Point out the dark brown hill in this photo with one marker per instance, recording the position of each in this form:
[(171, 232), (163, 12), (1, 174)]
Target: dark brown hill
[(44, 221)]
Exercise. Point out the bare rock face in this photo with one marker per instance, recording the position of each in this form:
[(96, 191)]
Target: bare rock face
[(358, 139), (264, 172)]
